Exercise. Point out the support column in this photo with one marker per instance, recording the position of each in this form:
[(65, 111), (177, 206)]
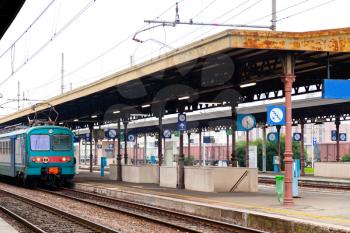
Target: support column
[(119, 155), (145, 149), (288, 79), (200, 147), (114, 150), (91, 156), (79, 153), (163, 149), (181, 168), (302, 156), (233, 138), (279, 146), (160, 147), (227, 147), (135, 150), (264, 149), (125, 141), (188, 144), (247, 149), (337, 124), (96, 150)]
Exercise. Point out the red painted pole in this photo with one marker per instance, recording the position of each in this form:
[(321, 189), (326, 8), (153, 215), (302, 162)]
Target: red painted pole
[(288, 153)]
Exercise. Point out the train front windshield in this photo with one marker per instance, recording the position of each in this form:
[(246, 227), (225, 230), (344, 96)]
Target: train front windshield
[(41, 142), (61, 142)]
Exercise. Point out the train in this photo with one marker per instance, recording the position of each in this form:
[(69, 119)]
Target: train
[(38, 154)]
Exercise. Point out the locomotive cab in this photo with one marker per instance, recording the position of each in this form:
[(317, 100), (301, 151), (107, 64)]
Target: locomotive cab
[(50, 154)]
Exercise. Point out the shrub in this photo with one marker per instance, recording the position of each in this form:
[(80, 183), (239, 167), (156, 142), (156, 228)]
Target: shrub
[(346, 158)]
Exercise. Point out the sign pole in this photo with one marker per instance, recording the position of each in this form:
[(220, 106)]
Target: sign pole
[(337, 124), (302, 157), (279, 146), (119, 155), (247, 149), (264, 148), (200, 147)]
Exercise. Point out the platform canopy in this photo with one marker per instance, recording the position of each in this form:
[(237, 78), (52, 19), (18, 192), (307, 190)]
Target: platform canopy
[(217, 71), (8, 11)]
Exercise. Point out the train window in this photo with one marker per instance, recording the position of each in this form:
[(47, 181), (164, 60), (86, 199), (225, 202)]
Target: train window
[(61, 142), (39, 142)]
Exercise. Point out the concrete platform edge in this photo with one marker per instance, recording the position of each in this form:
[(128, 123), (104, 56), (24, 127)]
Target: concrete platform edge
[(259, 220)]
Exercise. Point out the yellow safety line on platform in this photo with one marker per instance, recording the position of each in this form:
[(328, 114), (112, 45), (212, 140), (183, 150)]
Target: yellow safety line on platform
[(235, 204)]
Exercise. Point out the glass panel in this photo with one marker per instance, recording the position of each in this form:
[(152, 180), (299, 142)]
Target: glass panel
[(40, 142), (61, 142)]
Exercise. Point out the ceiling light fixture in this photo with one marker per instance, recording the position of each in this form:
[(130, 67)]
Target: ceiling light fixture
[(247, 85), (184, 98)]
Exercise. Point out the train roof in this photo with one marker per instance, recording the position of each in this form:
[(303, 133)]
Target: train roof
[(28, 129)]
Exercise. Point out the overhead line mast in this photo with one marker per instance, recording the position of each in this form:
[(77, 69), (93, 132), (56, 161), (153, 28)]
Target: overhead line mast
[(191, 22)]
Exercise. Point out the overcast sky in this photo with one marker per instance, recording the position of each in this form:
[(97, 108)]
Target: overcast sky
[(105, 23)]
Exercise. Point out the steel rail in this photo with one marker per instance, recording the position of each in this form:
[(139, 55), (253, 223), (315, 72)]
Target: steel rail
[(68, 216), (174, 215), (310, 184)]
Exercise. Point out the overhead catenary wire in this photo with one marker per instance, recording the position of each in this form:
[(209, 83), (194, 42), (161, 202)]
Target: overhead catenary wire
[(306, 10), (204, 9), (113, 47), (80, 67), (234, 16), (53, 37), (279, 11), (28, 28)]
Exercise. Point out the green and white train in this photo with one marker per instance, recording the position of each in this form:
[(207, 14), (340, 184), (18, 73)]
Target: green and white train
[(39, 153)]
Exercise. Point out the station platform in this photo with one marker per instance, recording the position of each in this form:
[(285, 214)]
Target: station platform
[(315, 211), (310, 178), (6, 228)]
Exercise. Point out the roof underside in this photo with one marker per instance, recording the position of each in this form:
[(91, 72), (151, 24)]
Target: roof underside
[(211, 70)]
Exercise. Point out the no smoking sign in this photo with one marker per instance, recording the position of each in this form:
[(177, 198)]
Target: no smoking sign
[(276, 115)]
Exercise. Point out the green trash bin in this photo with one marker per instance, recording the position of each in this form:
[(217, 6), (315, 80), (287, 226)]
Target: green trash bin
[(280, 187)]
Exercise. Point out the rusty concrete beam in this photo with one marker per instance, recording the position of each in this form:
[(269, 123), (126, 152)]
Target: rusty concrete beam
[(334, 40)]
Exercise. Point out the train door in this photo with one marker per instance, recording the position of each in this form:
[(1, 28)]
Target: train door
[(13, 156)]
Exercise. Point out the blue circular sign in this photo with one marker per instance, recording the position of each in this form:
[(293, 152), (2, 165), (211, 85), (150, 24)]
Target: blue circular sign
[(131, 137)]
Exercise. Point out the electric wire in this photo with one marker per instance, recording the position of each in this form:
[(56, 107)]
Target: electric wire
[(119, 43), (53, 37), (28, 28), (197, 29), (306, 10), (278, 11), (204, 9), (234, 16)]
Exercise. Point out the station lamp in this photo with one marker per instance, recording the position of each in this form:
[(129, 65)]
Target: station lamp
[(116, 112), (247, 85), (184, 98), (146, 106), (75, 120), (94, 116)]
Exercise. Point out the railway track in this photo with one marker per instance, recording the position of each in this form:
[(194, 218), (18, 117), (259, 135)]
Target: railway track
[(181, 221), (41, 218), (310, 184)]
